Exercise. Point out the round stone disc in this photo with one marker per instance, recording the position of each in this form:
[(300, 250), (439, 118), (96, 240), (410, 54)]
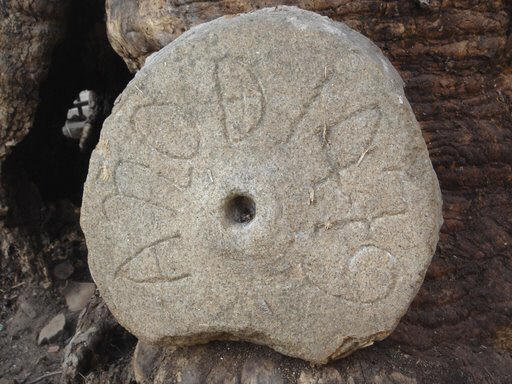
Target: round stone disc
[(262, 178)]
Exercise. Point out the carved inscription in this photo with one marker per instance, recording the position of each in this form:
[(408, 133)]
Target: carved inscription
[(146, 266), (307, 108), (243, 104), (372, 275), (347, 143), (367, 276), (273, 182), (151, 199), (350, 139), (357, 197)]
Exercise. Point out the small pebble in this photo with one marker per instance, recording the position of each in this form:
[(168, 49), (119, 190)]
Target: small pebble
[(53, 349), (63, 270)]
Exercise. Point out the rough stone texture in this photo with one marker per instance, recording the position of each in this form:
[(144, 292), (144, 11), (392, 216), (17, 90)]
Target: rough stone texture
[(53, 329), (322, 139), (454, 56), (77, 294)]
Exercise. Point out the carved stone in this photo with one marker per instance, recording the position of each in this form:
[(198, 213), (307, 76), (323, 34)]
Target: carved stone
[(262, 178)]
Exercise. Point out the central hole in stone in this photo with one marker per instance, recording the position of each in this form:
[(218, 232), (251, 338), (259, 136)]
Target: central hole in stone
[(240, 209)]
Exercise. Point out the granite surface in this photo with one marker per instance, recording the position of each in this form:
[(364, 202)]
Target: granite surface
[(262, 178)]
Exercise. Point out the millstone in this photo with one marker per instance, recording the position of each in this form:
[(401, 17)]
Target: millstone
[(262, 178)]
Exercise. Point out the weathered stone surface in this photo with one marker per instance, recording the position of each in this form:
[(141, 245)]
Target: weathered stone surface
[(280, 194), (53, 329), (77, 295)]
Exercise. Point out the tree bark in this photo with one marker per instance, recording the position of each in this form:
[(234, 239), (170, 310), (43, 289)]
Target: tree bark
[(29, 32), (49, 52)]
